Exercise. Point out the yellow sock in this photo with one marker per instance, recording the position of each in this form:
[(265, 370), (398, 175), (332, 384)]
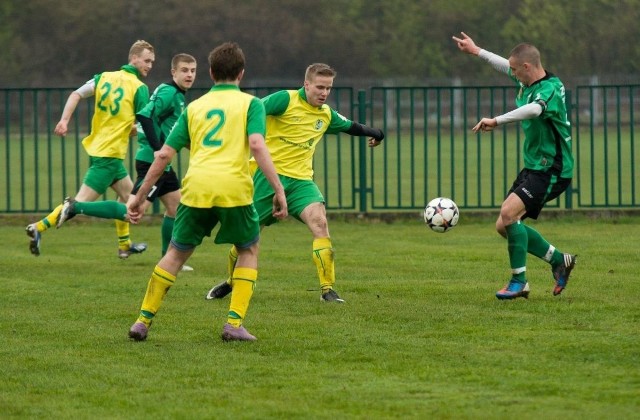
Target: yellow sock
[(231, 263), (49, 220), (158, 286), (323, 258), (243, 282), (122, 229)]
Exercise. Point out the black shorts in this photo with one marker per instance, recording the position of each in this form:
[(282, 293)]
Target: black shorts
[(535, 188), (168, 181)]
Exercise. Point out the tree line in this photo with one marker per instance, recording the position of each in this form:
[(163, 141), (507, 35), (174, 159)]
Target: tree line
[(61, 44)]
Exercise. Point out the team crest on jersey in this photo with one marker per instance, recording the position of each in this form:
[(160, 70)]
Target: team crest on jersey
[(318, 124)]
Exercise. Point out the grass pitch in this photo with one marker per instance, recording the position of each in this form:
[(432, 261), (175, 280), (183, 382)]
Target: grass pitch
[(421, 334)]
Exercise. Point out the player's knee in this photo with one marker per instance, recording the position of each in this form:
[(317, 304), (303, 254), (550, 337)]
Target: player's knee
[(500, 226), (171, 210), (319, 226)]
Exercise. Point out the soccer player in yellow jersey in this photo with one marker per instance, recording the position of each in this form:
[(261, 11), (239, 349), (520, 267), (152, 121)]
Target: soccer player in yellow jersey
[(296, 122), (118, 96), (155, 120), (221, 129)]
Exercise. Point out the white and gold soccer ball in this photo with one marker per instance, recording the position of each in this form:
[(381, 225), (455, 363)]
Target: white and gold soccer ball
[(441, 214)]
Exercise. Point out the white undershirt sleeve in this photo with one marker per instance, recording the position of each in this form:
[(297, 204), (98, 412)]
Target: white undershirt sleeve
[(87, 90), (499, 63), (525, 112)]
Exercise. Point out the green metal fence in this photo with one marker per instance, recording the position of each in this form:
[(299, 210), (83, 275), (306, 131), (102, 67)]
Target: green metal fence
[(429, 148), (607, 118)]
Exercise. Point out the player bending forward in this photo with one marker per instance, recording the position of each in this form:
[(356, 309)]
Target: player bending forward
[(296, 122)]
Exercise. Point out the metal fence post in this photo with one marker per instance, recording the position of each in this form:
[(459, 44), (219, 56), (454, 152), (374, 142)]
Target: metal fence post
[(568, 194), (362, 150)]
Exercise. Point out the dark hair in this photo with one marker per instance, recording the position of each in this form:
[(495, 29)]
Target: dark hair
[(226, 61)]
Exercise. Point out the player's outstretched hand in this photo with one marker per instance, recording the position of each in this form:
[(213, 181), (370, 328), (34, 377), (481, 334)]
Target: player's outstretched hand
[(466, 44), (485, 124), (373, 142)]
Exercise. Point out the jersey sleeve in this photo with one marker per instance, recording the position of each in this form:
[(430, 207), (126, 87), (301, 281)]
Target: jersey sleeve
[(499, 63), (160, 103), (179, 136), (339, 123), (256, 117), (141, 98), (548, 98), (87, 90), (276, 103), (150, 108)]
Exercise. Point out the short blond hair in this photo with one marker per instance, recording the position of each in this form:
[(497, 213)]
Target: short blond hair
[(138, 47), (319, 69)]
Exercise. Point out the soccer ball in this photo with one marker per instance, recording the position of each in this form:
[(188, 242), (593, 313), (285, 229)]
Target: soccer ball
[(441, 214)]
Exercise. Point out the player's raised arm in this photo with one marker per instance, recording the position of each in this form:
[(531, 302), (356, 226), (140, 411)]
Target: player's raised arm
[(467, 45)]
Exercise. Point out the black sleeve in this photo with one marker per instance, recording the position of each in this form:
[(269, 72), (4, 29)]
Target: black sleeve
[(358, 129), (149, 132)]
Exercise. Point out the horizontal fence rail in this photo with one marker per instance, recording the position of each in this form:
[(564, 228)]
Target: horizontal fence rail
[(429, 149)]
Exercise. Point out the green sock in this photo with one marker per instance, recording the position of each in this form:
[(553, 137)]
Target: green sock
[(517, 245), (102, 209), (167, 230), (542, 249)]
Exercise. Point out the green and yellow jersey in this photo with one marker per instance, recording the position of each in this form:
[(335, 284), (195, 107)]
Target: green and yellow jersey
[(164, 108), (294, 128), (216, 127), (547, 142), (118, 96)]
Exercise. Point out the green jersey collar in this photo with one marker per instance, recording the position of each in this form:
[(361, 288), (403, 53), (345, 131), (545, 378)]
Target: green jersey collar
[(129, 68), (175, 85), (547, 76), (225, 86), (303, 95)]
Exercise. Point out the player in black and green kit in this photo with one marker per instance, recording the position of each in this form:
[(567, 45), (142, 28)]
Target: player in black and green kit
[(548, 161), (297, 120), (155, 121)]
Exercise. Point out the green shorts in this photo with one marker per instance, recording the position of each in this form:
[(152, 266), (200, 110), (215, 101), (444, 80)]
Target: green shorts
[(238, 226), (300, 193), (104, 172)]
